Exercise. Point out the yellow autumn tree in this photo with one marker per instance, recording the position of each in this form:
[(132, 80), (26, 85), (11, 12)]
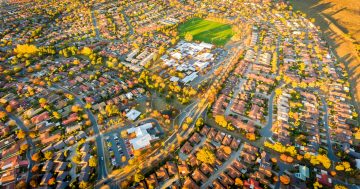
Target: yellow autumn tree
[(26, 49), (220, 119), (86, 51)]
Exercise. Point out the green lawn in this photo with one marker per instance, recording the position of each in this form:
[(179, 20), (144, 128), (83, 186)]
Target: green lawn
[(207, 31)]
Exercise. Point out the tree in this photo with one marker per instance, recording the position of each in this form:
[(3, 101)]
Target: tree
[(238, 182), (317, 185), (20, 185), (285, 179), (185, 126), (51, 181), (188, 37), (42, 101), (76, 159), (83, 185), (138, 177), (123, 158), (86, 51), (56, 115), (188, 120), (35, 168), (25, 49), (220, 119), (3, 115), (33, 183), (226, 149), (93, 161), (24, 147), (278, 91), (76, 108), (8, 108), (48, 155), (338, 186), (199, 122), (21, 134), (205, 155), (251, 136)]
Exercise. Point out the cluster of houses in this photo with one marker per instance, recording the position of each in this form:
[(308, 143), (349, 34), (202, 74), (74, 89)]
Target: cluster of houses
[(110, 20), (233, 161), (52, 136), (152, 15)]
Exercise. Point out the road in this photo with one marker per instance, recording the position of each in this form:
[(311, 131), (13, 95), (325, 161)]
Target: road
[(266, 131), (331, 153), (102, 166), (127, 20), (93, 18)]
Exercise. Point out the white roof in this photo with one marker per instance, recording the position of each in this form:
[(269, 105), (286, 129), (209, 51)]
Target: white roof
[(133, 114), (141, 142), (190, 77), (174, 79), (206, 45), (176, 55), (201, 65), (143, 138)]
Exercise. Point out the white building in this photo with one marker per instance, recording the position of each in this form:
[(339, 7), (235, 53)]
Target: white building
[(133, 114), (143, 138), (190, 77)]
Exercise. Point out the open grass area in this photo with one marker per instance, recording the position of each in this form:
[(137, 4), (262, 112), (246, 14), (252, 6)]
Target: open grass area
[(207, 31)]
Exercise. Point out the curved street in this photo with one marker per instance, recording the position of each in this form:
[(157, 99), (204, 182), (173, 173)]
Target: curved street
[(102, 166)]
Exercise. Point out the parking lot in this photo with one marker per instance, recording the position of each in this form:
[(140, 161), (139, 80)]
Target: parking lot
[(117, 148)]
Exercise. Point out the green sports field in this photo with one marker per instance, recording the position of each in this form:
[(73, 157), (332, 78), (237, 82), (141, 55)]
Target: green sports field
[(207, 31)]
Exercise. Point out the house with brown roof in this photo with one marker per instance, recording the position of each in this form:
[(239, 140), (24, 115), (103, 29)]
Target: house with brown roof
[(183, 169), (151, 181), (212, 133), (190, 184), (217, 185), (232, 172), (198, 176), (162, 174), (8, 176), (225, 180), (206, 169), (186, 148), (239, 166), (249, 148), (192, 160), (209, 145), (204, 131), (247, 157), (47, 139), (195, 138), (41, 117), (221, 155), (248, 127), (171, 168), (235, 144), (227, 140), (219, 136)]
